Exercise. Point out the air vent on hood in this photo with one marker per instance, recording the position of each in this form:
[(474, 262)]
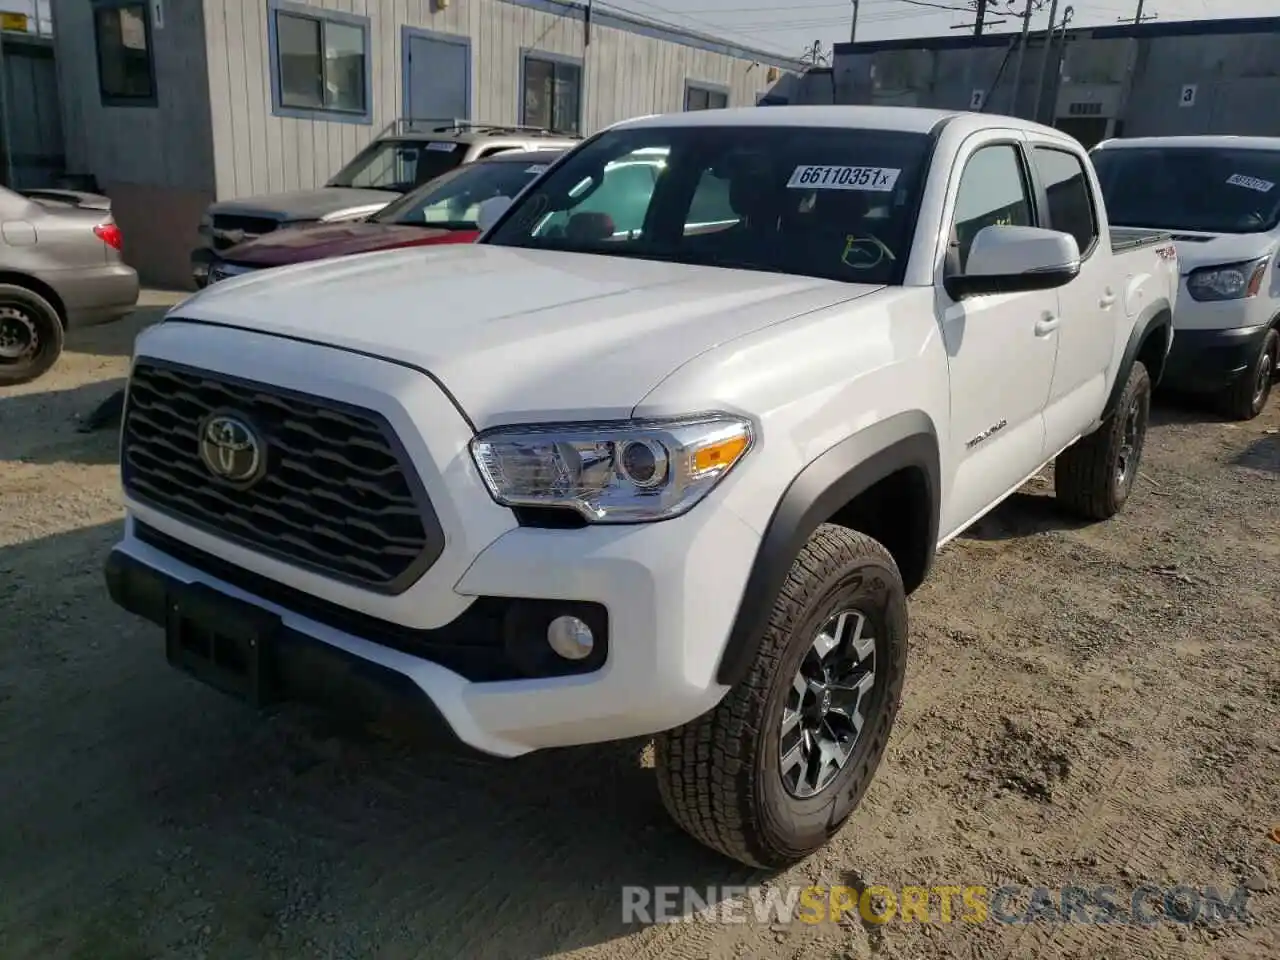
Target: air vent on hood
[(1189, 238)]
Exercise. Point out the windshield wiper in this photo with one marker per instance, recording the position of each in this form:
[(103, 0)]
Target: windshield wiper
[(348, 186), (439, 224)]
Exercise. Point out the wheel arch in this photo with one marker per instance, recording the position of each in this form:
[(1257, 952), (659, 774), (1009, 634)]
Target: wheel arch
[(898, 459), (1149, 341), (40, 287)]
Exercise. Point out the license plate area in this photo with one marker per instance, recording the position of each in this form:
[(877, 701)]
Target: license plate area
[(222, 641)]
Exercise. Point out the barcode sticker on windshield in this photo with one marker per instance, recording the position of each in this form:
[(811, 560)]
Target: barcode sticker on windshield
[(536, 168), (1251, 183), (444, 146), (874, 179)]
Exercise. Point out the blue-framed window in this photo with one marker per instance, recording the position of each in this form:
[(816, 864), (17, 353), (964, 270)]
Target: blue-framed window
[(126, 64), (551, 91), (320, 63), (705, 96)]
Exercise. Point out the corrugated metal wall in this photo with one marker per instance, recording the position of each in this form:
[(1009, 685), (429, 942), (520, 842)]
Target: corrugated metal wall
[(1237, 80), (167, 145), (626, 74)]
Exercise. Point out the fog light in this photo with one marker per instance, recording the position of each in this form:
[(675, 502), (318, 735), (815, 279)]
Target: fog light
[(570, 637)]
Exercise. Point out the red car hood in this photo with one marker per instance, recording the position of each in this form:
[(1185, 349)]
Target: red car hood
[(300, 244)]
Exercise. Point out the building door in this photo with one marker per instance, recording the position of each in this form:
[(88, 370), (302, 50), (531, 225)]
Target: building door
[(31, 148), (1088, 130), (437, 76)]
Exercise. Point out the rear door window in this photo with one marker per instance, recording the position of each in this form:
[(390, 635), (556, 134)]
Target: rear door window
[(1070, 200)]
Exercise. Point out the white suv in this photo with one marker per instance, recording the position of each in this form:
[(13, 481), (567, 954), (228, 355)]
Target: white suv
[(1220, 197), (590, 479)]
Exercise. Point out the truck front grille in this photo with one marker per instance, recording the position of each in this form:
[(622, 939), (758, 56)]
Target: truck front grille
[(331, 489)]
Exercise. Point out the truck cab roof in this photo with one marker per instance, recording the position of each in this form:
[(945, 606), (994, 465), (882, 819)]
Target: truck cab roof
[(904, 119)]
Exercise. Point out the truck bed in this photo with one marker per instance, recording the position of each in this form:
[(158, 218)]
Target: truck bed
[(1124, 239)]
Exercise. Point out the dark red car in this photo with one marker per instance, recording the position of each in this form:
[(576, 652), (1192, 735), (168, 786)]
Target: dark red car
[(443, 210)]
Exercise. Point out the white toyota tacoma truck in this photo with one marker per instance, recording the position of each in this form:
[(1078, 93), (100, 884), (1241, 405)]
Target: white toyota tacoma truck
[(583, 481)]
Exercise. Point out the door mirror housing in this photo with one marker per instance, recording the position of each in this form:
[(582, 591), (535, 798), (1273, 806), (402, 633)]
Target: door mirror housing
[(1009, 259), (490, 210)]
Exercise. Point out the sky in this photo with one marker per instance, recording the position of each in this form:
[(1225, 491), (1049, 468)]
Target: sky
[(790, 26)]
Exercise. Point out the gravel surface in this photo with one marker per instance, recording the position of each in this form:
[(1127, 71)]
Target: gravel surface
[(1085, 705)]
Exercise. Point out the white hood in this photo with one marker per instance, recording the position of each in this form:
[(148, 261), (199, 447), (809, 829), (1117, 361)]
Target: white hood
[(1220, 249), (518, 335)]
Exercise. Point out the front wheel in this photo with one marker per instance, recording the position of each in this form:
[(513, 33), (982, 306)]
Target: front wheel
[(1095, 475), (1247, 397), (773, 772)]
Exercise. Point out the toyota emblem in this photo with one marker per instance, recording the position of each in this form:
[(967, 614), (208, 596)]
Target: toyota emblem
[(231, 450)]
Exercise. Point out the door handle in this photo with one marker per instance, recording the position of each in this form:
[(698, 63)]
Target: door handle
[(1047, 324)]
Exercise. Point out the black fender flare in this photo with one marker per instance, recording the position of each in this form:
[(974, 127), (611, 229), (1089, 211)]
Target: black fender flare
[(852, 466), (1152, 318)]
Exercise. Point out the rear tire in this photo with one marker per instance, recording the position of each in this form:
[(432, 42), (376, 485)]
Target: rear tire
[(31, 335), (1247, 397), (1094, 476), (773, 772)]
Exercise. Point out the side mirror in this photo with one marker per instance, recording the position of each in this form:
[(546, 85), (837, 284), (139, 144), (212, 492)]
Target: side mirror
[(490, 210), (1007, 259)]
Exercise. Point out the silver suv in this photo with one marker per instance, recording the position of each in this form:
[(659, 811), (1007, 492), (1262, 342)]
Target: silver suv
[(402, 157)]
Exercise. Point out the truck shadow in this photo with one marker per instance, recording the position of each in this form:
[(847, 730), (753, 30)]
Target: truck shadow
[(1180, 408), (1262, 454), (1024, 513), (193, 824), (52, 426)]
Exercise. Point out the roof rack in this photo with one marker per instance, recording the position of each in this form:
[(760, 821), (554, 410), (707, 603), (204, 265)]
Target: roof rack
[(404, 125)]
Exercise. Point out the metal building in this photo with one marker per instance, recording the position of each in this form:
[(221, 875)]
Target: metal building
[(1199, 76), (170, 104)]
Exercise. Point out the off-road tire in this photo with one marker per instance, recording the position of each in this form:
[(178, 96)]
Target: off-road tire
[(1086, 476), (1247, 397), (43, 318), (719, 775)]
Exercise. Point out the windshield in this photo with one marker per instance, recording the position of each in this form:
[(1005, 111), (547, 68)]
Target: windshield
[(822, 202), (1205, 189), (453, 200), (399, 165)]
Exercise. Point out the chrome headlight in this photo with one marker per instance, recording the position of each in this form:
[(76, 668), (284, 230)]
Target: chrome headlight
[(1233, 281), (626, 471)]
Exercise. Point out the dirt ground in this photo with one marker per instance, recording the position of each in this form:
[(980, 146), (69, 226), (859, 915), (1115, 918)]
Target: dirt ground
[(1084, 705)]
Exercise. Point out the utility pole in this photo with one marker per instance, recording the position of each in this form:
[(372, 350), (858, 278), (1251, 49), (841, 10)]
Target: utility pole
[(1137, 17), (1022, 53), (1044, 61), (980, 18), (853, 24)]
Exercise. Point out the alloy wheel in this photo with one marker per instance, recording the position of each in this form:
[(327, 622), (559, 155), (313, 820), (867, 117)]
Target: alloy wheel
[(826, 708)]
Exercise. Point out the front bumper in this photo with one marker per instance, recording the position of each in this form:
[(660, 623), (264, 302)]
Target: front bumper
[(670, 599), (670, 590), (1207, 361), (300, 668)]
